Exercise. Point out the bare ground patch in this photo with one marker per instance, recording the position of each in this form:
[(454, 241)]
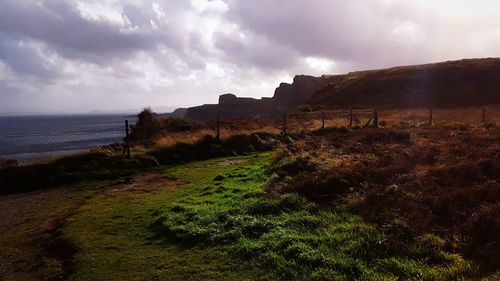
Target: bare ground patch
[(146, 182), (231, 162), (16, 209), (29, 223)]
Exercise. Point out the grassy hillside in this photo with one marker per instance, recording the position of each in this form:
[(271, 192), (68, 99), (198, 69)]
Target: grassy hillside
[(217, 220), (457, 83), (402, 203)]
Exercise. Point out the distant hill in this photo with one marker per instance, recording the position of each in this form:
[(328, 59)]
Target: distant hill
[(178, 113), (287, 97), (470, 82)]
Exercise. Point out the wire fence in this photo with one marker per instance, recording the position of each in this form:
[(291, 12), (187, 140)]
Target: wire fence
[(31, 139), (39, 147), (25, 145)]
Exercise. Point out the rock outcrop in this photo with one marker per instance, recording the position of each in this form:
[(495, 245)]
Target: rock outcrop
[(287, 97)]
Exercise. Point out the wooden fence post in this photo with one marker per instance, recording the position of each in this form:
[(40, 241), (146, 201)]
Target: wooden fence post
[(127, 140), (284, 124), (218, 128), (375, 118), (430, 117), (350, 118), (484, 115), (322, 120)]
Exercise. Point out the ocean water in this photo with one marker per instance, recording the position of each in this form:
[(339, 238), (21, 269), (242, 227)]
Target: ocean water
[(30, 138)]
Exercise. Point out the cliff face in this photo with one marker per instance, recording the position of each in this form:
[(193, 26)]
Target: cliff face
[(471, 82), (287, 97), (302, 88)]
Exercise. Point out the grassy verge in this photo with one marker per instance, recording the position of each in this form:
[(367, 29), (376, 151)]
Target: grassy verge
[(100, 165), (69, 170), (215, 223)]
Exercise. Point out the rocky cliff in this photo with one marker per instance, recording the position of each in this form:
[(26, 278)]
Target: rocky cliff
[(287, 97), (471, 82)]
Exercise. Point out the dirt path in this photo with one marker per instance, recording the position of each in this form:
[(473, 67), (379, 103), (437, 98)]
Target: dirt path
[(16, 209), (21, 217), (24, 217), (146, 182)]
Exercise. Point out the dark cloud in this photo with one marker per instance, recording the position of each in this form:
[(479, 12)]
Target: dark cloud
[(255, 52), (375, 33), (60, 25), (356, 30), (88, 54), (25, 59)]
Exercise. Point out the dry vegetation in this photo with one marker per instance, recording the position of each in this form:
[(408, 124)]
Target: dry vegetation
[(441, 116), (228, 129), (438, 184), (171, 131)]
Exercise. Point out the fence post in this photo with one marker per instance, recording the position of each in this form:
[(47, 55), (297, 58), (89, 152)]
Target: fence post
[(350, 118), (322, 119), (484, 115), (375, 118), (127, 140), (284, 124), (218, 128), (430, 117)]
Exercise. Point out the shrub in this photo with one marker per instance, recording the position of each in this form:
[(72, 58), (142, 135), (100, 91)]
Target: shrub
[(484, 229), (87, 166), (465, 173), (209, 147), (147, 128), (5, 163), (287, 164), (430, 245), (179, 125), (319, 185), (384, 136)]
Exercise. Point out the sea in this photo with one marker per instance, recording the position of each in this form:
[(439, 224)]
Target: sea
[(31, 138)]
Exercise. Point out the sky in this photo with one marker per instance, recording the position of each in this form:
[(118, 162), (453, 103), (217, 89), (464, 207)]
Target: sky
[(79, 56)]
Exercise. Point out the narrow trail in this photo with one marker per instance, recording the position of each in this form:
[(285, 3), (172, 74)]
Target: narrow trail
[(31, 223), (18, 208), (145, 182), (23, 218)]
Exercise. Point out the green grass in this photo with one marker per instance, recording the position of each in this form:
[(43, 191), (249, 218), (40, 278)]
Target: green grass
[(215, 222), (116, 241), (219, 225)]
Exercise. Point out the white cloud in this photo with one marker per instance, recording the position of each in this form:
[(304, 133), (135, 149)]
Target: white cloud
[(321, 65), (216, 6), (103, 11), (61, 55)]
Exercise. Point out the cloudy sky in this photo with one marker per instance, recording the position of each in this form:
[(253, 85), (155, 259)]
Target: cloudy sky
[(117, 55)]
